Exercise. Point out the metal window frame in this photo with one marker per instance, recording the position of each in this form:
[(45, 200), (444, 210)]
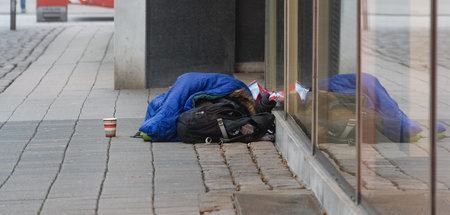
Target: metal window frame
[(315, 88), (433, 104), (285, 70), (359, 105)]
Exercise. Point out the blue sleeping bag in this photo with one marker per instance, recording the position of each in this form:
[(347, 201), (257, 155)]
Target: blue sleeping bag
[(395, 124), (163, 111)]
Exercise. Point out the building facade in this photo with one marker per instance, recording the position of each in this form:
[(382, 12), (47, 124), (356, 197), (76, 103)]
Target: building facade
[(366, 106)]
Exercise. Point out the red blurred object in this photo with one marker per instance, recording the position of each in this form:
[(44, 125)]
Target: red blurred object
[(51, 10), (56, 10), (100, 3), (51, 3)]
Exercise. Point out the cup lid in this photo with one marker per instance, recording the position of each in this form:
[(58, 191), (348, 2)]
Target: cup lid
[(109, 118)]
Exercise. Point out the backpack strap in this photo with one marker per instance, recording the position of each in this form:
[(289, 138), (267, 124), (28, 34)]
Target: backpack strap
[(222, 128), (350, 125)]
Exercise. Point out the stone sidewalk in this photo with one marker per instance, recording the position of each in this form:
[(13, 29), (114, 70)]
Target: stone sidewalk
[(18, 49), (55, 159)]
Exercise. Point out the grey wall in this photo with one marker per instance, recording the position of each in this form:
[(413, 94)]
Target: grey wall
[(250, 30), (129, 44), (189, 36)]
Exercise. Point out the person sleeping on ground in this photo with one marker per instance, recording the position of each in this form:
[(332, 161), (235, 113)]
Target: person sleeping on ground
[(200, 90)]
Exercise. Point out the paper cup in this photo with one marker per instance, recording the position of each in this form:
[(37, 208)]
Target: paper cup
[(110, 126)]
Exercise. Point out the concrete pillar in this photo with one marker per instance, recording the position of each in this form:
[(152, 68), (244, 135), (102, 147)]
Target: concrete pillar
[(129, 44)]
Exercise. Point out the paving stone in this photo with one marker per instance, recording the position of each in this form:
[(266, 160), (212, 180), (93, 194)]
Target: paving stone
[(223, 212), (20, 206), (53, 205), (121, 211), (125, 202), (22, 195), (28, 48), (269, 202), (178, 210), (215, 201), (178, 200)]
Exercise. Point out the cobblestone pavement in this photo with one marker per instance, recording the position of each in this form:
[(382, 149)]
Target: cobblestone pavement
[(18, 49), (23, 46), (55, 159)]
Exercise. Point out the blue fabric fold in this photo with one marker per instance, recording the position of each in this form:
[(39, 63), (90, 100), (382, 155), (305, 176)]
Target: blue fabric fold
[(163, 111)]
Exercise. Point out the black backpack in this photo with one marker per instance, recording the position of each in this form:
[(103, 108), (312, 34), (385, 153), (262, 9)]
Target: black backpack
[(222, 122)]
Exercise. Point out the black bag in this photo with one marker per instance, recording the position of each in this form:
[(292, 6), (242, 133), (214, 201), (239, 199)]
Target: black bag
[(337, 123), (222, 122)]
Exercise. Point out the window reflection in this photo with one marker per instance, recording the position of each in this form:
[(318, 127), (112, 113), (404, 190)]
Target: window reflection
[(274, 48), (395, 160), (443, 109)]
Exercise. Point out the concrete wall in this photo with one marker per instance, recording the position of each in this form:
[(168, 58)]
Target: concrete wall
[(158, 40), (129, 44), (189, 36), (250, 30)]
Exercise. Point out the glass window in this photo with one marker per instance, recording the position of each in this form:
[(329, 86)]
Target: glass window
[(301, 69), (394, 167), (336, 65), (274, 51), (395, 162), (443, 109), (336, 85)]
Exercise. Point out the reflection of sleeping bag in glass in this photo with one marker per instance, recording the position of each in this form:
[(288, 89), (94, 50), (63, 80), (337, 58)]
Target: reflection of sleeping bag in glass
[(395, 124)]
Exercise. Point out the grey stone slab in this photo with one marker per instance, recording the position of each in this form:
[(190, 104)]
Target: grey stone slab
[(283, 182), (178, 188), (262, 145), (126, 194), (178, 182), (277, 203), (249, 181), (214, 201), (37, 168), (224, 186), (25, 45), (45, 172), (20, 207), (125, 202), (41, 157), (176, 200), (191, 162), (281, 176), (69, 206), (253, 187), (215, 173), (40, 148), (130, 168), (132, 182), (68, 211), (20, 195), (121, 211), (178, 210), (223, 212)]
